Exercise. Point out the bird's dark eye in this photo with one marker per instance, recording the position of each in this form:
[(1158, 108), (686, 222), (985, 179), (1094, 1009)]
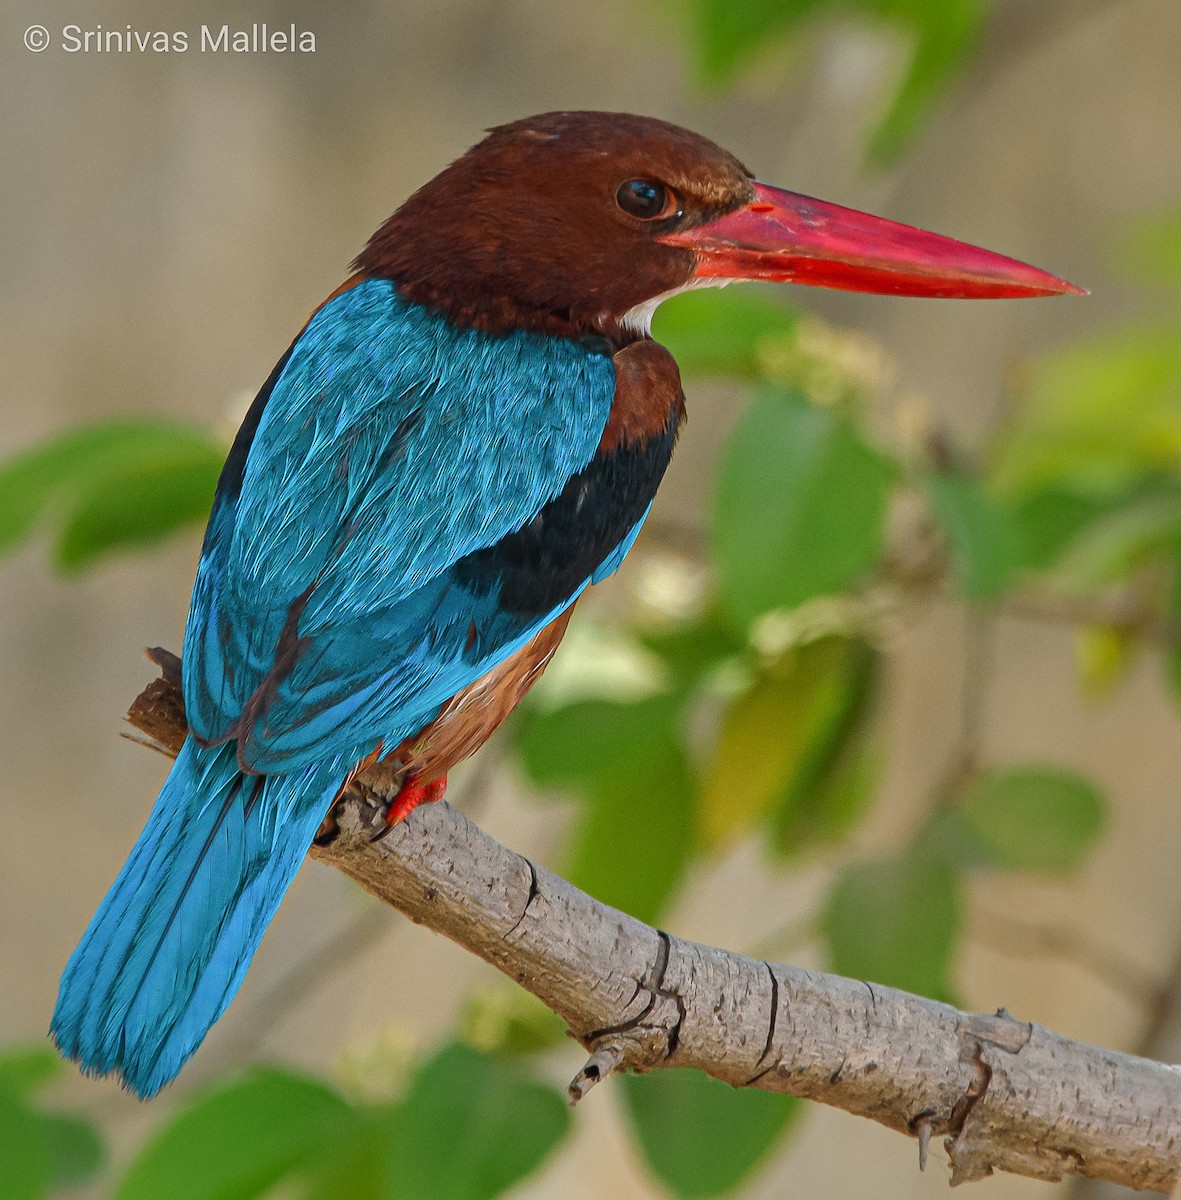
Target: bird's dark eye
[(644, 199)]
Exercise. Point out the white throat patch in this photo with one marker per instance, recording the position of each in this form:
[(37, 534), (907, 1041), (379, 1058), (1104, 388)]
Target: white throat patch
[(639, 319)]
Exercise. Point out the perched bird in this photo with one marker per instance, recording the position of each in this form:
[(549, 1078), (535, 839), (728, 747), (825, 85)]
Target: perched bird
[(465, 436)]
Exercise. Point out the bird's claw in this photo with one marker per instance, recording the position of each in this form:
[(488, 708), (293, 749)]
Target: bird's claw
[(410, 795)]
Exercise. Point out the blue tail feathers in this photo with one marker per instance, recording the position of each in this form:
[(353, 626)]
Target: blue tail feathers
[(168, 947)]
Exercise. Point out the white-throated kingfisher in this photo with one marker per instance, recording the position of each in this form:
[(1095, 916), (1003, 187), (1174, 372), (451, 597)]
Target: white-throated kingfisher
[(465, 436)]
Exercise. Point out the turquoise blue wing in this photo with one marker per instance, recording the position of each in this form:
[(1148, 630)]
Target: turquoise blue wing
[(389, 448)]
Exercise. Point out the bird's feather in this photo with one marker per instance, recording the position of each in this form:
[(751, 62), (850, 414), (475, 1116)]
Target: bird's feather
[(391, 445), (168, 947)]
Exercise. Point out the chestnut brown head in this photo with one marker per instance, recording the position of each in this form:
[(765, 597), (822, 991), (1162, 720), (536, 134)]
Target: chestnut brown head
[(554, 221)]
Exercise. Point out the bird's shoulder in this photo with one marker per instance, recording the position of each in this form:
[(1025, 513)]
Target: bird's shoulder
[(425, 439)]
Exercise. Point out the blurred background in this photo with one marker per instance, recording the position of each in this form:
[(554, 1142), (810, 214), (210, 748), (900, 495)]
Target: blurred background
[(921, 728)]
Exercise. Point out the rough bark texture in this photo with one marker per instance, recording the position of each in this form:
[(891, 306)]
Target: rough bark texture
[(1004, 1094)]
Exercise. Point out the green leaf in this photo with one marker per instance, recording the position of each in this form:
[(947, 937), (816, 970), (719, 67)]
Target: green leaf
[(762, 737), (471, 1127), (780, 741), (1116, 543), (632, 846), (1047, 521), (710, 333), (836, 779), (727, 35), (626, 764), (800, 506), (1105, 655), (136, 510), (507, 1020), (24, 1156), (1096, 417), (947, 836), (895, 921), (985, 545), (1172, 654), (30, 479), (591, 743), (699, 1136), (61, 1150), (104, 481), (1034, 818), (238, 1141), (26, 1069), (696, 648), (945, 34), (353, 1167), (75, 1148)]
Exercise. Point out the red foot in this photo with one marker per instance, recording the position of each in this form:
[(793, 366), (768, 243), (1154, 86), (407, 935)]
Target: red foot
[(411, 795)]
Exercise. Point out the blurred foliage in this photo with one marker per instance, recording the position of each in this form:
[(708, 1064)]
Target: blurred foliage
[(896, 921), (43, 1151), (467, 1128), (610, 753), (764, 720), (1097, 418), (1151, 248), (982, 536), (700, 1137), (109, 487), (737, 348), (794, 738), (241, 1138), (1031, 818), (728, 35), (800, 506)]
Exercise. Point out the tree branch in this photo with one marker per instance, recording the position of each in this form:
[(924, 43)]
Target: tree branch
[(1004, 1094)]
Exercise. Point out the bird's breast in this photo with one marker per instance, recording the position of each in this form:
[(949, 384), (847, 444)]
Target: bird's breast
[(470, 718), (648, 396)]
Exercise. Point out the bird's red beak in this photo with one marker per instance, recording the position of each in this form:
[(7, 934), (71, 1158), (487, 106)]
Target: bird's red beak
[(788, 238)]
